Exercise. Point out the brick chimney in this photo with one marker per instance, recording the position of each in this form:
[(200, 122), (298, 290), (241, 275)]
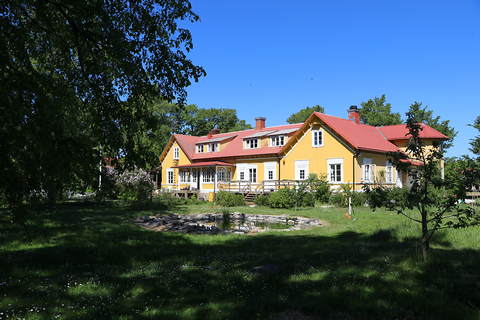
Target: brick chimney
[(212, 132), (260, 123), (354, 114)]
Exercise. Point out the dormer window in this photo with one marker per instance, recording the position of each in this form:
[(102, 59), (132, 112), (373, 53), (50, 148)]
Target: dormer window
[(200, 148), (251, 143), (213, 147), (277, 141)]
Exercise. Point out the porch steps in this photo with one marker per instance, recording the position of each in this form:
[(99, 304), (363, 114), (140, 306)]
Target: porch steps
[(250, 197)]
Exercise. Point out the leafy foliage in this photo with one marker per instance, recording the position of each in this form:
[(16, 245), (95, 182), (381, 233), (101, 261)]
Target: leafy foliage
[(433, 202), (229, 199), (377, 112), (75, 79), (319, 187), (475, 143), (423, 115), (340, 198), (283, 198), (135, 185), (263, 200), (304, 113)]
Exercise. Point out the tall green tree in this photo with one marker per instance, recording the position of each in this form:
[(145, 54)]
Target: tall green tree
[(475, 143), (422, 114), (431, 201), (165, 119), (304, 113), (204, 120), (76, 78), (377, 112)]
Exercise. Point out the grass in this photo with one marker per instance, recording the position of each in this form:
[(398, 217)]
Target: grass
[(86, 261)]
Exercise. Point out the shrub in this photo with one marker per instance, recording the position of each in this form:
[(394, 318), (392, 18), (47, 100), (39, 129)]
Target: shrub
[(308, 200), (340, 198), (263, 200), (136, 185), (320, 188), (229, 199), (378, 197), (283, 198)]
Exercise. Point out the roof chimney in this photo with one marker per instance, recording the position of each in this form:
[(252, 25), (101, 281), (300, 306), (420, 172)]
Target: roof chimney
[(354, 114), (260, 123), (212, 132)]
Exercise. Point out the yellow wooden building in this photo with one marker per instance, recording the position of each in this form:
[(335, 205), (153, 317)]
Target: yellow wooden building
[(264, 159)]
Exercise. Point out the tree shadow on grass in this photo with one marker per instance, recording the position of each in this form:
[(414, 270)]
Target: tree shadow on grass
[(99, 266)]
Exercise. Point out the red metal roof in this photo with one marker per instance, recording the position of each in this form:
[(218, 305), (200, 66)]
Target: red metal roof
[(400, 132), (234, 148), (205, 164), (359, 136)]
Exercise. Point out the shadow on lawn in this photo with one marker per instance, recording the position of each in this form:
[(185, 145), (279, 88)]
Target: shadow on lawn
[(87, 263)]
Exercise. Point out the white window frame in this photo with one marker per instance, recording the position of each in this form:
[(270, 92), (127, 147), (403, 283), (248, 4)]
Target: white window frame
[(389, 166), (270, 167), (200, 148), (208, 175), (213, 147), (277, 141), (172, 180), (368, 177), (176, 153), (335, 162), (250, 142), (302, 165), (320, 136)]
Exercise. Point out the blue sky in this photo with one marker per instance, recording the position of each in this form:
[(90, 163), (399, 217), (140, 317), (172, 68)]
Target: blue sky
[(272, 58)]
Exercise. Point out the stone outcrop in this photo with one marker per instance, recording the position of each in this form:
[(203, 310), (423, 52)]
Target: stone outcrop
[(215, 223)]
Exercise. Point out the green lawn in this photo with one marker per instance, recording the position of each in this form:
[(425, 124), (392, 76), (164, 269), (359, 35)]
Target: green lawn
[(85, 261)]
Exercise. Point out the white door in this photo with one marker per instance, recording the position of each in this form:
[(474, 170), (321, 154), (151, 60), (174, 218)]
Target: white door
[(301, 169)]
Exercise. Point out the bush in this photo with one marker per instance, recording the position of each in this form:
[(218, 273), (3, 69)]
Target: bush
[(308, 200), (320, 188), (283, 198), (229, 199), (263, 200), (378, 197), (108, 189), (136, 185), (340, 198)]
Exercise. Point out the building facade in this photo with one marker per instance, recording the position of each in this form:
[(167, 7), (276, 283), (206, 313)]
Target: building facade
[(263, 159)]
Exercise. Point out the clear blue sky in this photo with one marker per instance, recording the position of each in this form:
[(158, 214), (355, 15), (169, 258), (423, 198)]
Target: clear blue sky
[(271, 58)]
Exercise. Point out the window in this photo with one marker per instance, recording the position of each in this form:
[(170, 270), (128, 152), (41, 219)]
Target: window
[(251, 143), (277, 141), (270, 169), (194, 175), (389, 172), (184, 176), (301, 169), (170, 176), (208, 175), (317, 138), (213, 147), (200, 148), (252, 174), (335, 170), (242, 175), (368, 171), (222, 174), (176, 153), (270, 174)]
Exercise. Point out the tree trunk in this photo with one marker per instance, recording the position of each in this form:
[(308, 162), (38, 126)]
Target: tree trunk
[(425, 239)]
